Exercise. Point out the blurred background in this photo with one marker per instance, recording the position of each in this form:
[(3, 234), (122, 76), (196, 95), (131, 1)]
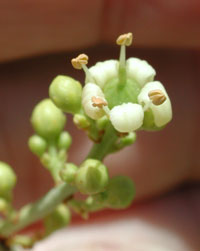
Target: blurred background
[(37, 41)]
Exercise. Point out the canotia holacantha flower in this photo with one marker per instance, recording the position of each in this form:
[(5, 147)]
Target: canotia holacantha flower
[(124, 91)]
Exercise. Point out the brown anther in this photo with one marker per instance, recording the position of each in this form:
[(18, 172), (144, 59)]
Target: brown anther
[(79, 61), (98, 102), (125, 39), (157, 97)]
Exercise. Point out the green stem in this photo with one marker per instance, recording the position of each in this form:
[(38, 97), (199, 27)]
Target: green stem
[(99, 151), (36, 211)]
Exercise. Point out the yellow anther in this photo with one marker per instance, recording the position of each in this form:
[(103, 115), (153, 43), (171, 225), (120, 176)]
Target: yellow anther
[(79, 61), (157, 97), (125, 39), (98, 102)]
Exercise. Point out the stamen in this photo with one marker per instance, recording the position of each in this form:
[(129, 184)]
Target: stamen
[(80, 62), (157, 97), (125, 39), (99, 102)]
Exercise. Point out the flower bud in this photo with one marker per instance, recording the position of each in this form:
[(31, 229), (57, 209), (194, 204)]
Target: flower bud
[(3, 205), (66, 93), (37, 145), (7, 179), (102, 123), (59, 218), (45, 160), (92, 177), (64, 140), (68, 173), (47, 120), (120, 192), (81, 121)]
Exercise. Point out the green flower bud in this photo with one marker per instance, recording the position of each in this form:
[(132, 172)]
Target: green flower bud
[(7, 179), (64, 140), (59, 218), (47, 120), (102, 123), (62, 155), (37, 145), (92, 177), (81, 121), (68, 173), (126, 140), (66, 93), (120, 192), (45, 160), (3, 205)]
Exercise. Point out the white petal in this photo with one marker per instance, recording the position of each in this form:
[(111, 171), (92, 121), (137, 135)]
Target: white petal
[(104, 71), (162, 113), (140, 70), (127, 117), (89, 91)]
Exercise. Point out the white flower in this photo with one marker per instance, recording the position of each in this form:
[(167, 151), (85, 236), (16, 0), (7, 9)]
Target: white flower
[(127, 116)]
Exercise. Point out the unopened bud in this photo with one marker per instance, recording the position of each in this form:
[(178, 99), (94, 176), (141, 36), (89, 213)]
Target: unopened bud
[(47, 120), (37, 145), (59, 218), (68, 173), (81, 121), (7, 179), (64, 140), (92, 177), (66, 94)]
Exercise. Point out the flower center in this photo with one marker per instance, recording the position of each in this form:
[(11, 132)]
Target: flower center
[(117, 94)]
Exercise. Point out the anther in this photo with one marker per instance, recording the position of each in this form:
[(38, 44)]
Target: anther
[(125, 39), (79, 61), (157, 97), (98, 102)]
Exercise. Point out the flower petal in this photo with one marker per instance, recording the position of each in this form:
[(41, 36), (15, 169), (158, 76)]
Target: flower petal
[(162, 113), (127, 117), (104, 71), (92, 90), (140, 70)]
